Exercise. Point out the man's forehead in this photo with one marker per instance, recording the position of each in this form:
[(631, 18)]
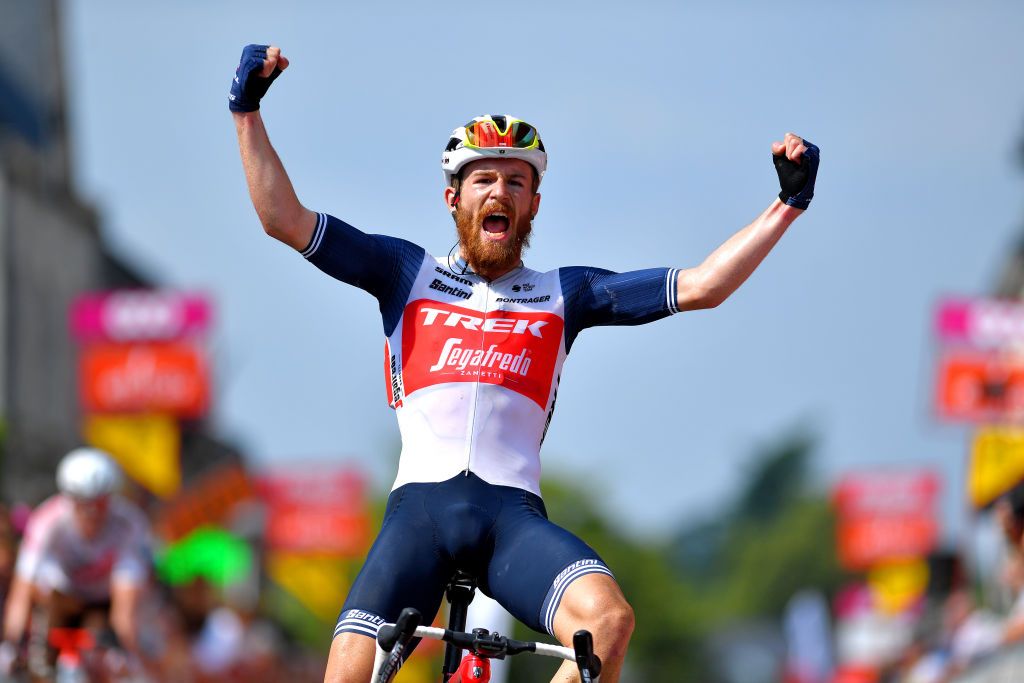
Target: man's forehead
[(505, 166)]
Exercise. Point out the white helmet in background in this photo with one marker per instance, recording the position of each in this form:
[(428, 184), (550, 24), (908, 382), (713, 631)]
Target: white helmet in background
[(493, 136), (87, 474)]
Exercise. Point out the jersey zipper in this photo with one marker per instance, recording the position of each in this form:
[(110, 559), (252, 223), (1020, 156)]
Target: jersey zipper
[(476, 388)]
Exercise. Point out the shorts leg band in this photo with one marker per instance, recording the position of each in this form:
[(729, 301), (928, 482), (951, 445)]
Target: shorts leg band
[(562, 582)]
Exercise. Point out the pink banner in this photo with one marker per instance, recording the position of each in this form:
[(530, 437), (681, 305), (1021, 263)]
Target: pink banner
[(984, 323), (139, 315)]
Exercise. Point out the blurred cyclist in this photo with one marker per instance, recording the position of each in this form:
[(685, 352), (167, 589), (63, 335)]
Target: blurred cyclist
[(473, 355), (85, 555)]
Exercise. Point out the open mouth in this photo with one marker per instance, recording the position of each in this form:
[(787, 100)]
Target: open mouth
[(496, 223)]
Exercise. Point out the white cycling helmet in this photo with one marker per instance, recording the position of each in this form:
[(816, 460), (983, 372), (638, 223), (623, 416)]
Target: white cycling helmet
[(87, 474), (493, 136)]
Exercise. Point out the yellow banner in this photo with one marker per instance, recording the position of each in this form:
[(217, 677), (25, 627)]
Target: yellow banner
[(319, 582), (895, 586), (997, 463), (147, 447)]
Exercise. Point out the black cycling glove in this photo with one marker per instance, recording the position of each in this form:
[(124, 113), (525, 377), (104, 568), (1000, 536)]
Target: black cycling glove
[(797, 179)]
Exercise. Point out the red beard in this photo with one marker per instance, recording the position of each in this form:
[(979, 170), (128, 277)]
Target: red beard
[(483, 256)]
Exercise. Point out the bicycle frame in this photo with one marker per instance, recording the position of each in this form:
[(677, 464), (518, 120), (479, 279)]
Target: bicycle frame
[(70, 644)]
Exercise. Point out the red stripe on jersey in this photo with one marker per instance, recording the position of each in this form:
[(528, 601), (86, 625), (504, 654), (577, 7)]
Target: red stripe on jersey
[(443, 343)]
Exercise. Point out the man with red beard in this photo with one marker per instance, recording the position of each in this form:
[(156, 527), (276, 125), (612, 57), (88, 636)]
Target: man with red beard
[(474, 347)]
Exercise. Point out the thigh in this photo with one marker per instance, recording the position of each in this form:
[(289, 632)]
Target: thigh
[(403, 568), (534, 562)]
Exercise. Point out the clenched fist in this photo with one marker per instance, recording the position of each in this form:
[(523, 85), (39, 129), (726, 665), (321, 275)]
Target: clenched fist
[(257, 69)]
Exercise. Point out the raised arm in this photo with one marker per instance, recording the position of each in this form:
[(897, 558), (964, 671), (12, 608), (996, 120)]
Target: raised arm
[(728, 266), (279, 210)]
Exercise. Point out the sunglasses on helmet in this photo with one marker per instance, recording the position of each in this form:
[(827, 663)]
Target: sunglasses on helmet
[(488, 134)]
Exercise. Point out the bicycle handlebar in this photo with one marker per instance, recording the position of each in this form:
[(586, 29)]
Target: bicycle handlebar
[(394, 638)]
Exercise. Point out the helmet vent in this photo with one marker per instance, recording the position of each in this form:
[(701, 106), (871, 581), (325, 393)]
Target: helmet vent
[(452, 144), (500, 122)]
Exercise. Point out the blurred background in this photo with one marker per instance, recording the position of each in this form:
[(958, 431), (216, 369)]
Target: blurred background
[(815, 482)]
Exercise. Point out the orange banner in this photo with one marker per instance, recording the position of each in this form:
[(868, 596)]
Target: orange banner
[(979, 387), (868, 541), (156, 378), (208, 500)]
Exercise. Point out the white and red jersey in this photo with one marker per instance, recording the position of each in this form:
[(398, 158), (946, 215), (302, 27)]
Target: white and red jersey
[(472, 366), (55, 555)]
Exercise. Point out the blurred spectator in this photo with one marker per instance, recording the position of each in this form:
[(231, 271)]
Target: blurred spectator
[(1013, 577), (1009, 511), (972, 631), (219, 646)]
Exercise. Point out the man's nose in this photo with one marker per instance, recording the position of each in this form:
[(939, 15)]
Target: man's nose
[(500, 187)]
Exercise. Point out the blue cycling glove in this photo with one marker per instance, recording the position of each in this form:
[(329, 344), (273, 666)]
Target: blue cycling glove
[(797, 179), (248, 87)]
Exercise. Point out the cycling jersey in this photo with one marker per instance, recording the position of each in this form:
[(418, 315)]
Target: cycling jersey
[(472, 365), (56, 556)]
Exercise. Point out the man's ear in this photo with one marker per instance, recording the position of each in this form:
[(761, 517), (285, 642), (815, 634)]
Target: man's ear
[(451, 198), (534, 205)]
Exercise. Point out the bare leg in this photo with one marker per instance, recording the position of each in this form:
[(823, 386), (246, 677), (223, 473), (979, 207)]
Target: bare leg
[(595, 603), (351, 659)]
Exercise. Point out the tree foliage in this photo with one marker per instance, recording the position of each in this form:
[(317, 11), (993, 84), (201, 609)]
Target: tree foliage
[(741, 565)]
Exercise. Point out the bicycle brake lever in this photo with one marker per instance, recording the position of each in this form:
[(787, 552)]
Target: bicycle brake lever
[(588, 663), (403, 629)]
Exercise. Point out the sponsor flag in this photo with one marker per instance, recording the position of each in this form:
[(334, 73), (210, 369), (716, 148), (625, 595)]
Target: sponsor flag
[(996, 464), (976, 386), (898, 585), (136, 315), (885, 515), (209, 500), (146, 446), (156, 378), (317, 511), (318, 582), (980, 323)]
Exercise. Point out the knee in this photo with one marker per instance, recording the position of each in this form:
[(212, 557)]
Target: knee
[(611, 621), (616, 623)]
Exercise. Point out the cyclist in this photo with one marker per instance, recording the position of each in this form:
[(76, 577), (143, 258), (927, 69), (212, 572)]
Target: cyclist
[(86, 552), (473, 354)]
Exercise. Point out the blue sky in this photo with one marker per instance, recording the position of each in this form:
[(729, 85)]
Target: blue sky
[(658, 118)]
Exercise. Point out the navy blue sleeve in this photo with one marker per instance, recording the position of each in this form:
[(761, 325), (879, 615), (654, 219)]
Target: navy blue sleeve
[(383, 266), (594, 296)]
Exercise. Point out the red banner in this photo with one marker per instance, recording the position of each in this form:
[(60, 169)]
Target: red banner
[(317, 530), (887, 493), (886, 515), (980, 387), (343, 489), (316, 510), (156, 378), (866, 542)]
